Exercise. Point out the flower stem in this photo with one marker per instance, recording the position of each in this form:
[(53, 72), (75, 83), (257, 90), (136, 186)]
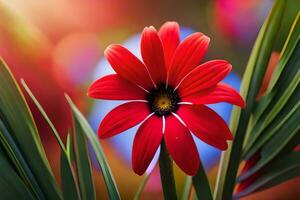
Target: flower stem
[(201, 184), (166, 173)]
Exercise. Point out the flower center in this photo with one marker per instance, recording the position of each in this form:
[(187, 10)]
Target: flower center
[(163, 100)]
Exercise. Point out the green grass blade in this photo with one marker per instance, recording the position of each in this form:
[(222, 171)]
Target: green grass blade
[(280, 170), (286, 80), (19, 162), (287, 51), (11, 186), (83, 163), (283, 117), (167, 173), (276, 144), (17, 117), (44, 114), (68, 177), (141, 187), (69, 147), (251, 83), (102, 161), (187, 188), (69, 184), (201, 184), (291, 10)]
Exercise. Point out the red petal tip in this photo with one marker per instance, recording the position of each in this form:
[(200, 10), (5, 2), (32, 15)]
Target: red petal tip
[(89, 92), (171, 24), (111, 47), (229, 66), (138, 172), (203, 37), (150, 28), (193, 172), (243, 104)]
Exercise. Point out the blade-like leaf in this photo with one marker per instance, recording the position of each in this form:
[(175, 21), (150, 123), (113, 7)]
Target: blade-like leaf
[(287, 51), (291, 10), (92, 138), (69, 147), (251, 83), (201, 184), (17, 117), (19, 162), (283, 118), (277, 143), (291, 145), (280, 170), (187, 187), (83, 162), (287, 78), (69, 184), (141, 187), (44, 114), (11, 186), (166, 173)]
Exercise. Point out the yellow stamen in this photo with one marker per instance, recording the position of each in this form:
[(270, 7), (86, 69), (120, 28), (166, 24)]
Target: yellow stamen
[(163, 102)]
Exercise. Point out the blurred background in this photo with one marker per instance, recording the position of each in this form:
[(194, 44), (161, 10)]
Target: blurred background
[(57, 46)]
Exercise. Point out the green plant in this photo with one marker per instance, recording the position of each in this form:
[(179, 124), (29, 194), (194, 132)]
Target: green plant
[(268, 127)]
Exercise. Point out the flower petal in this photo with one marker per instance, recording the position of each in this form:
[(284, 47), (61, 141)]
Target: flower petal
[(187, 56), (204, 76), (169, 35), (153, 55), (145, 144), (216, 94), (181, 146), (122, 118), (128, 66), (113, 87), (206, 125)]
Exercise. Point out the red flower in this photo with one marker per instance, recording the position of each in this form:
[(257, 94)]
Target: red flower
[(166, 93)]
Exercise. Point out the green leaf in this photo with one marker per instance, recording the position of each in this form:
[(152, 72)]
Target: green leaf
[(251, 83), (285, 82), (277, 143), (201, 184), (290, 146), (141, 187), (284, 117), (287, 169), (287, 51), (95, 144), (291, 10), (187, 187), (11, 185), (166, 173), (69, 184), (83, 162), (69, 148), (282, 138), (44, 114), (18, 119), (18, 161), (280, 170)]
